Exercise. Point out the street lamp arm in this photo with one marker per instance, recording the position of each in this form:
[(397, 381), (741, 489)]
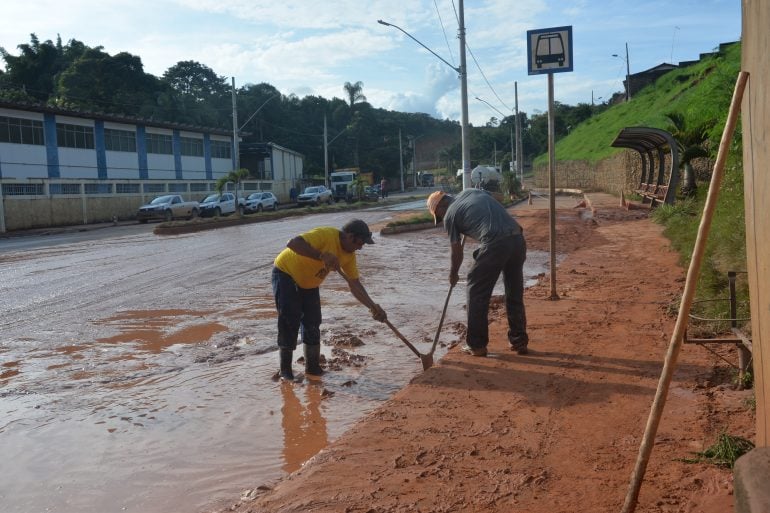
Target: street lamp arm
[(339, 134), (491, 106), (256, 111), (419, 43)]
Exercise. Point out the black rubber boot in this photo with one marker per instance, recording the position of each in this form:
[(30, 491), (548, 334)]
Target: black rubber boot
[(286, 356), (312, 360)]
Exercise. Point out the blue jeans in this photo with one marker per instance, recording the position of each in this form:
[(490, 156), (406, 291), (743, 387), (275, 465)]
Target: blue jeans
[(297, 308), (505, 255)]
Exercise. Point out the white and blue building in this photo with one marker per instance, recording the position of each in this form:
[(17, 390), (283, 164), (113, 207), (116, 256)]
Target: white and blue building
[(60, 166)]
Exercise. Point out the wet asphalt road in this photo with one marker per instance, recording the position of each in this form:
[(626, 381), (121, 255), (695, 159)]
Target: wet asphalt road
[(135, 370)]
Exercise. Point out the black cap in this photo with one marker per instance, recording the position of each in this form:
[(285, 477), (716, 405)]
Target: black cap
[(360, 229)]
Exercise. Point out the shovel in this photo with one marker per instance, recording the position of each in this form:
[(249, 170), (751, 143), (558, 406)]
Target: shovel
[(426, 359), (443, 312), (440, 323)]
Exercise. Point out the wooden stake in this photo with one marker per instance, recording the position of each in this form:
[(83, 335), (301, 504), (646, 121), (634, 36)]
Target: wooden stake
[(687, 299)]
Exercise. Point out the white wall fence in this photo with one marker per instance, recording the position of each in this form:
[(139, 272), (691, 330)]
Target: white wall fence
[(46, 202)]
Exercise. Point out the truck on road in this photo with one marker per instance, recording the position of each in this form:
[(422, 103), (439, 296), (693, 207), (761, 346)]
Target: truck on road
[(168, 207), (342, 182)]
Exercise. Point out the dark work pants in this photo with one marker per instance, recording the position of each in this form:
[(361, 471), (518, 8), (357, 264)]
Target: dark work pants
[(297, 308), (506, 256)]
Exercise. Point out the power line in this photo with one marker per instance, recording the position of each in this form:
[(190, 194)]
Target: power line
[(443, 29)]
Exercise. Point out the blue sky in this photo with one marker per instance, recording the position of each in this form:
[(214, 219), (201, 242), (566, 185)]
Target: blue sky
[(307, 47)]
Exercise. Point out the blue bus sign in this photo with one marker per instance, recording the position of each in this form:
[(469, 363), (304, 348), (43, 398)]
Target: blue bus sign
[(549, 50)]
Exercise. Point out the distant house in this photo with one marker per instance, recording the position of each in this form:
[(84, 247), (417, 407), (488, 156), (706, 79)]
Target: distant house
[(644, 78)]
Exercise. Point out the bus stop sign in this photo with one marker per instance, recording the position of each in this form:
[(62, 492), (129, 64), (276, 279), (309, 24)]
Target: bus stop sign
[(549, 50)]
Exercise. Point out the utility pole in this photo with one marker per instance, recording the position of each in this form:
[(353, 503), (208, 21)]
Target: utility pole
[(236, 141), (400, 160), (519, 156), (326, 155), (628, 76), (464, 127), (414, 160)]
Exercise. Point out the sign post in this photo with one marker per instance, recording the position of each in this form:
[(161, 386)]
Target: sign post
[(549, 51)]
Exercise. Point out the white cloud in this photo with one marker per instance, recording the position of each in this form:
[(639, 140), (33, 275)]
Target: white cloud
[(310, 47)]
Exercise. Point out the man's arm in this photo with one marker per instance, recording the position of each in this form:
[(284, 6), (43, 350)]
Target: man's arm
[(359, 292), (456, 261), (303, 248)]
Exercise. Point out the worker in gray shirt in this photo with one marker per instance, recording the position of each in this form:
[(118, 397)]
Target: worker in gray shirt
[(476, 214)]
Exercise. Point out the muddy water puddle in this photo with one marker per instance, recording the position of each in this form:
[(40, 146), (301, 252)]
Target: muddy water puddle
[(135, 388)]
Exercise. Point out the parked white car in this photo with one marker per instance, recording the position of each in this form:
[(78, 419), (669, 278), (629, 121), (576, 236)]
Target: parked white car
[(259, 201), (315, 196), (215, 205)]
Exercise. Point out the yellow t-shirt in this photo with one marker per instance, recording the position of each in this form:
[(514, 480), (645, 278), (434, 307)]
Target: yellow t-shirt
[(309, 273)]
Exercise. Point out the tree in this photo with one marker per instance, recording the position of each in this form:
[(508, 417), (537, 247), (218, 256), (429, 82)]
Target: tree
[(97, 81), (195, 81), (354, 92), (690, 141), (200, 94), (234, 177), (35, 69)]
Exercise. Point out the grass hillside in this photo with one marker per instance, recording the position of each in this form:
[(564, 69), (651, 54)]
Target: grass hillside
[(701, 93)]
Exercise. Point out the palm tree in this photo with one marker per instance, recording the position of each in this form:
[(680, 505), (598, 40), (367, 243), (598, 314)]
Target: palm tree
[(235, 177), (354, 92), (690, 142)]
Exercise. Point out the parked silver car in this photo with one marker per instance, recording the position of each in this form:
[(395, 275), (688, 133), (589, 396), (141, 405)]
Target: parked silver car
[(315, 196), (259, 201)]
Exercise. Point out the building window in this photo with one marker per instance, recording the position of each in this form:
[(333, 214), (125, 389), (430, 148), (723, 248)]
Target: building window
[(177, 187), (159, 143), (21, 131), (98, 188), (126, 188), (22, 189), (119, 140), (191, 146), (64, 188), (74, 136), (220, 150), (155, 187)]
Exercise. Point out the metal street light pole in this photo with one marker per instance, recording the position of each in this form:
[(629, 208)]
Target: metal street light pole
[(326, 150), (401, 159), (461, 71), (413, 139), (628, 73), (236, 136), (519, 146), (464, 127), (326, 155)]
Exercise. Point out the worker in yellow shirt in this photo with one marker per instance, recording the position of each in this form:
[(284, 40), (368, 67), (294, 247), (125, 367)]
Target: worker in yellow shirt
[(299, 271)]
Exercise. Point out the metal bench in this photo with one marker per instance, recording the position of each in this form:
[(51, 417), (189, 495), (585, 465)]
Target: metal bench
[(657, 181)]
